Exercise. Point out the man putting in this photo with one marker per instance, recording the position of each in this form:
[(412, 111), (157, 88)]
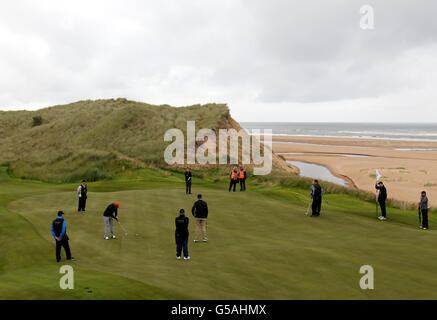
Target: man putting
[(234, 179), (316, 196), (242, 176), (82, 191), (109, 215), (200, 212), (181, 235), (59, 232), (382, 198), (423, 209), (188, 176)]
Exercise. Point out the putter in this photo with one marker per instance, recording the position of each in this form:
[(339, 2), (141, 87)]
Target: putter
[(308, 209), (376, 204), (124, 230)]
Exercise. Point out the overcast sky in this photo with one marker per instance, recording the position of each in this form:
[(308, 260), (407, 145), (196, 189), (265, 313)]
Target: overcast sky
[(269, 60)]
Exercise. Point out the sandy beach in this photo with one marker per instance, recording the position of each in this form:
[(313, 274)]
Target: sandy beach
[(407, 167)]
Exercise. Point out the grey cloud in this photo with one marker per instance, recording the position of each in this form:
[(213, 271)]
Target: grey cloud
[(241, 52), (316, 51)]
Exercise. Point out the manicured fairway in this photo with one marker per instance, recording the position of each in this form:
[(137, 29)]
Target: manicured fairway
[(261, 246)]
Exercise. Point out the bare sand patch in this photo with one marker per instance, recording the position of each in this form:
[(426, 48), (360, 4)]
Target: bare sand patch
[(407, 167)]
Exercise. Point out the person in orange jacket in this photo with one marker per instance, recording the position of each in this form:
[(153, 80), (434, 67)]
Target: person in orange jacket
[(234, 179), (242, 177)]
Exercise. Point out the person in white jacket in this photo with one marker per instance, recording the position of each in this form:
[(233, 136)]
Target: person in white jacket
[(82, 191)]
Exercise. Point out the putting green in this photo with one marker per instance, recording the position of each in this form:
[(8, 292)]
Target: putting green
[(261, 246)]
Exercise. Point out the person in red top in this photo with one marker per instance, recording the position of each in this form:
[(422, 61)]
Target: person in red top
[(110, 214), (242, 177), (234, 179)]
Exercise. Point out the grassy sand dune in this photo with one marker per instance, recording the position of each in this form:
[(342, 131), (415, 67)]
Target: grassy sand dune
[(101, 139), (94, 139)]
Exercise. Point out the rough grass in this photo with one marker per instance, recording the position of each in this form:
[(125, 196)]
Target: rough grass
[(94, 139)]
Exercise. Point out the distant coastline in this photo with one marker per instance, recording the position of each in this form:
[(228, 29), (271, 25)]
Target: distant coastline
[(379, 131)]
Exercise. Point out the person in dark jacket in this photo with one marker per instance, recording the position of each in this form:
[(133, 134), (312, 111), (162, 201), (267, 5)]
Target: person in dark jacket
[(188, 176), (382, 198), (181, 235), (200, 212), (82, 191), (242, 176), (59, 232), (234, 179), (316, 196), (109, 215), (423, 208)]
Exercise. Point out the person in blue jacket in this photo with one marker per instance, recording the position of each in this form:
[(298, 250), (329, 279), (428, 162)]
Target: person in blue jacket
[(59, 232)]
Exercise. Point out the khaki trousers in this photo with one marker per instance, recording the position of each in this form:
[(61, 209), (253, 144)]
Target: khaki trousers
[(201, 226)]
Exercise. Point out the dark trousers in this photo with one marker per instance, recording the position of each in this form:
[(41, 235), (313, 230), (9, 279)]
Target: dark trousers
[(242, 184), (233, 184), (424, 218), (383, 209), (188, 187), (317, 206), (182, 243), (62, 243), (82, 204)]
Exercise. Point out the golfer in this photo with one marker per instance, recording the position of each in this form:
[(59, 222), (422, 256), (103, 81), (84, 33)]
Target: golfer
[(82, 191), (181, 235), (382, 198), (200, 212), (109, 215), (316, 196), (423, 209), (59, 232), (234, 179), (188, 176)]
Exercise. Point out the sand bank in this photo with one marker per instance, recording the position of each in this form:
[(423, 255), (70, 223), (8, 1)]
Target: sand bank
[(407, 167)]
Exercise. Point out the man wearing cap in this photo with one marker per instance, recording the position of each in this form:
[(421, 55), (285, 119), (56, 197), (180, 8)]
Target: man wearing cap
[(82, 191), (59, 232), (109, 215), (382, 198), (181, 235)]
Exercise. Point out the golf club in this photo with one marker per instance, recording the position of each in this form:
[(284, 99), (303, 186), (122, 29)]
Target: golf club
[(308, 209), (124, 230), (376, 204)]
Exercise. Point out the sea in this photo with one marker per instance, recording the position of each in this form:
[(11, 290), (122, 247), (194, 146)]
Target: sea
[(391, 131)]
